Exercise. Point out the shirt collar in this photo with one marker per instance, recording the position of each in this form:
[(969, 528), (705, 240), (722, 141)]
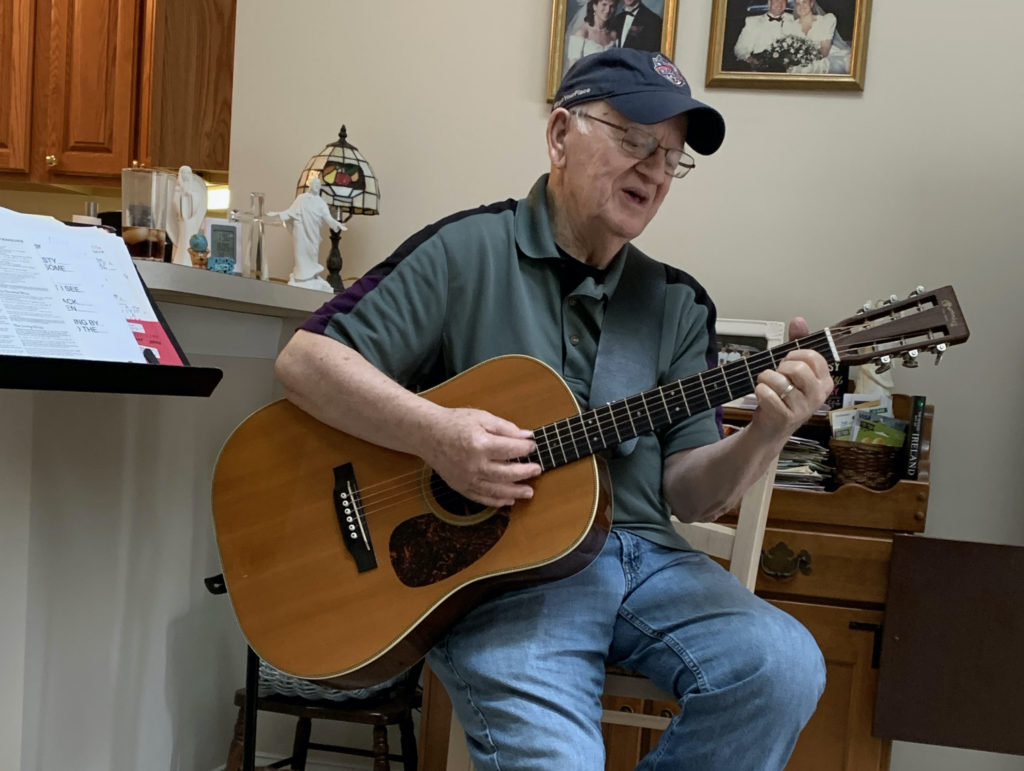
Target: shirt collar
[(536, 240)]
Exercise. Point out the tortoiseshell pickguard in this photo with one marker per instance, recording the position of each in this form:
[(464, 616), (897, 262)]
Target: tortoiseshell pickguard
[(425, 549)]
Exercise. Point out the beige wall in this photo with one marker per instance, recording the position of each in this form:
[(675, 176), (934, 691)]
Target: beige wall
[(817, 201)]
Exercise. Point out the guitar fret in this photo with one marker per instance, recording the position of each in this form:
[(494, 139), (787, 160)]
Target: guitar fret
[(547, 445), (707, 399), (629, 414), (561, 444), (647, 412), (725, 380), (595, 424), (611, 415), (586, 435), (750, 375), (664, 404), (577, 451)]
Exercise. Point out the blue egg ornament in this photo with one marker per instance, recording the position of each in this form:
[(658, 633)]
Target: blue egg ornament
[(198, 243)]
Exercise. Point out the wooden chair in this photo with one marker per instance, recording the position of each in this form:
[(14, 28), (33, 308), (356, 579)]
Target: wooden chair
[(391, 706), (740, 546), (307, 701)]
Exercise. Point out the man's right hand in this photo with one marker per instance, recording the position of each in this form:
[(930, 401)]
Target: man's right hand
[(478, 454)]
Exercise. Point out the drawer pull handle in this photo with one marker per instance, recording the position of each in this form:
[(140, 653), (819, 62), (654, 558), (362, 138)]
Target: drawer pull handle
[(781, 562)]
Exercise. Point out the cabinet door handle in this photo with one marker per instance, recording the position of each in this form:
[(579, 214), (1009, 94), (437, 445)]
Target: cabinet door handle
[(781, 562), (51, 160)]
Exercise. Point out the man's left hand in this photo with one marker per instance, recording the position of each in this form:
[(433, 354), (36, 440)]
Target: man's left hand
[(789, 395)]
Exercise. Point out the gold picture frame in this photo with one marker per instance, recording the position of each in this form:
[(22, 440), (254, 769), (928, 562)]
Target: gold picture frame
[(730, 19), (563, 12)]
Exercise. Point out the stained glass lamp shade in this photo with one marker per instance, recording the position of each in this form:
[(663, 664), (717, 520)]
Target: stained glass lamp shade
[(347, 184)]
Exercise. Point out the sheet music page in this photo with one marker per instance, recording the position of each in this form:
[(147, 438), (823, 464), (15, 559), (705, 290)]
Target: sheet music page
[(73, 293), (123, 280)]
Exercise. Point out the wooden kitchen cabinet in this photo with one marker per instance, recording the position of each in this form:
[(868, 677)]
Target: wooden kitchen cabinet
[(16, 51), (838, 735), (100, 85)]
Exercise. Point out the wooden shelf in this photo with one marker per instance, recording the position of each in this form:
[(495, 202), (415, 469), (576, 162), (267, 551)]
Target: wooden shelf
[(901, 508)]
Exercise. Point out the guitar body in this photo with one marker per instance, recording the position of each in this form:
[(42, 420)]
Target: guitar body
[(304, 604), (346, 562)]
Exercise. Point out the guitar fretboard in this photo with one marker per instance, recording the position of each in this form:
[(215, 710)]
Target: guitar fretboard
[(597, 429)]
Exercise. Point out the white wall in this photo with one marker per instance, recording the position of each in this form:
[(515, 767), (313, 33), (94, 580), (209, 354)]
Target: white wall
[(16, 410), (113, 656), (817, 201)]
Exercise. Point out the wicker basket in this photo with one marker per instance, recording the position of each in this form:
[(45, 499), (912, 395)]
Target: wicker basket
[(872, 465)]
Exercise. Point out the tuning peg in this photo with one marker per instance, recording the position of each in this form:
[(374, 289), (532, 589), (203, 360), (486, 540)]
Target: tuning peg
[(918, 290), (939, 350), (884, 364), (910, 359)]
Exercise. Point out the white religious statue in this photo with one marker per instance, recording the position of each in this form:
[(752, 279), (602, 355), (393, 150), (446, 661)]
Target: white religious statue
[(188, 210), (304, 218)]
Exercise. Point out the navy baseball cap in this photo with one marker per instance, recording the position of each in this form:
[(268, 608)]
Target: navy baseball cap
[(644, 86)]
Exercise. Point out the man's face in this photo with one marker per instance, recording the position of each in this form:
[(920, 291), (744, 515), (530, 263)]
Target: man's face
[(776, 7), (612, 194)]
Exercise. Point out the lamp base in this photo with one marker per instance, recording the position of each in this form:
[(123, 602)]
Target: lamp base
[(334, 263)]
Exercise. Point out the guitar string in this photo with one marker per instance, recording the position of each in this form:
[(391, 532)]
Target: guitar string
[(545, 445), (618, 412), (374, 497), (741, 376), (393, 489)]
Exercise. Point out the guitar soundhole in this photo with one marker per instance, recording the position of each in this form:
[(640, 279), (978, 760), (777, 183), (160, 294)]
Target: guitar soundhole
[(451, 501), (425, 549)]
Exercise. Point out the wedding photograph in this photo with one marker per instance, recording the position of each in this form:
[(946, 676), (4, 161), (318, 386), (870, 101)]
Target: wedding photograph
[(788, 43), (583, 27)]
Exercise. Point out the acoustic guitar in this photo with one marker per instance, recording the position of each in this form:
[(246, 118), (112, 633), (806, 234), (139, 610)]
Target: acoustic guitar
[(345, 562)]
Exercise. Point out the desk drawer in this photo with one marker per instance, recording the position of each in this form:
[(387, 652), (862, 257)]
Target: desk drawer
[(825, 565)]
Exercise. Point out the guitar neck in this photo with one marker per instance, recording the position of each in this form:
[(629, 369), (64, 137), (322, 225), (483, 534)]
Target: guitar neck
[(600, 428)]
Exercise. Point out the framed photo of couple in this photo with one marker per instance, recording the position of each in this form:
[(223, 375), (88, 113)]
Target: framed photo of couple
[(808, 44), (583, 27)]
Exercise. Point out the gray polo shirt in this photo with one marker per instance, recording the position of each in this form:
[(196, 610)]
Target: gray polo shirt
[(491, 281)]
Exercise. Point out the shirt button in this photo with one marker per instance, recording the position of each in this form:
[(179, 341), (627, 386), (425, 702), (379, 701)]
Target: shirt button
[(572, 302), (574, 339)]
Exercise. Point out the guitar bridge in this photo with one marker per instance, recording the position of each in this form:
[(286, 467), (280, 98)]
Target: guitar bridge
[(348, 507)]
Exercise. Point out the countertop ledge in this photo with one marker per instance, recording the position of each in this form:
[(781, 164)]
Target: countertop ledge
[(208, 289)]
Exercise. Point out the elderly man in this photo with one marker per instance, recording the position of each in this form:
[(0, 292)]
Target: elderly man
[(549, 276), (760, 31)]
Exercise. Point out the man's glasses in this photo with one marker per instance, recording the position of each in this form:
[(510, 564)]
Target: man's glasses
[(641, 145)]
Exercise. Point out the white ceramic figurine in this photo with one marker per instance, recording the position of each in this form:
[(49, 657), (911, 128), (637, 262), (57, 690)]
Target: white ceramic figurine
[(188, 210), (304, 218)]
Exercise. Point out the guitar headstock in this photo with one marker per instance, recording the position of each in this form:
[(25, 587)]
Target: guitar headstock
[(925, 322)]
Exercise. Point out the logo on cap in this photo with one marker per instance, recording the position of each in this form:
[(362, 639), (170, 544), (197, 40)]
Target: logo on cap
[(668, 70)]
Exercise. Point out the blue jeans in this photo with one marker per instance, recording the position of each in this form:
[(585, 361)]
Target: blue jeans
[(525, 671)]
